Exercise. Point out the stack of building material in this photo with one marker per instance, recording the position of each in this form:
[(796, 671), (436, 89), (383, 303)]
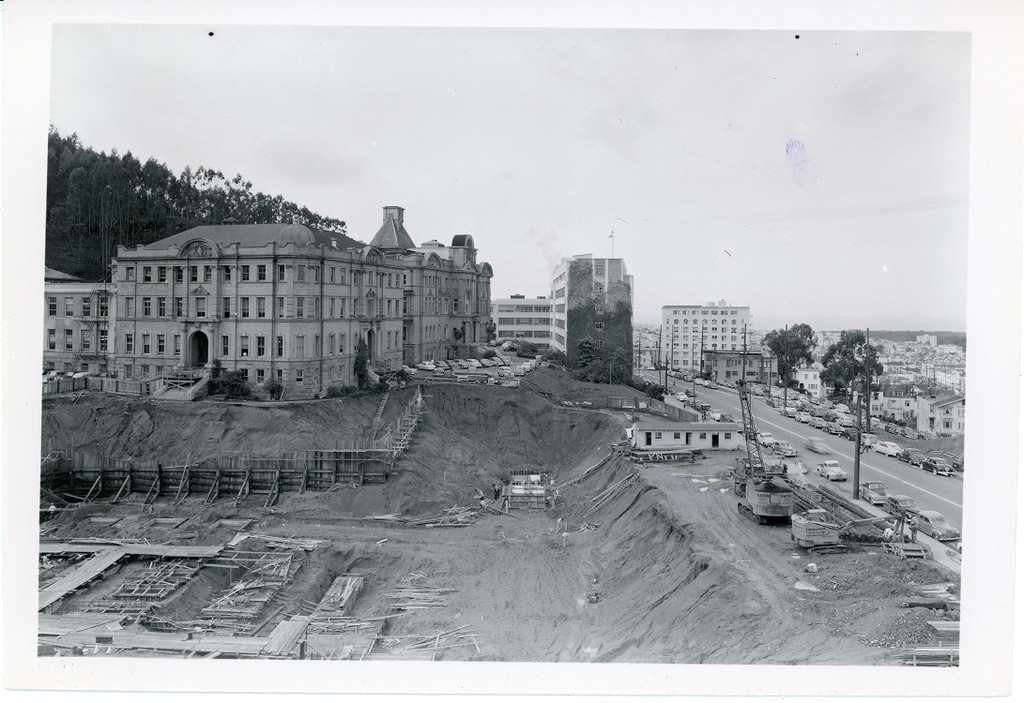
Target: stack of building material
[(415, 596), (415, 644), (146, 590)]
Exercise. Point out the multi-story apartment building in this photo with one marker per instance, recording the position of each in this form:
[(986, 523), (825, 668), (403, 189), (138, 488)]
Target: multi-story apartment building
[(689, 330), (523, 319), (290, 303), (593, 300), (750, 366), (78, 324)]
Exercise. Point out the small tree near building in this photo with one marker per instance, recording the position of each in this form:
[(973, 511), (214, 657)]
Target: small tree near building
[(361, 362)]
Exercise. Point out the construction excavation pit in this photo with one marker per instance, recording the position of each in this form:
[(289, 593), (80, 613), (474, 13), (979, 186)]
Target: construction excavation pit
[(443, 522)]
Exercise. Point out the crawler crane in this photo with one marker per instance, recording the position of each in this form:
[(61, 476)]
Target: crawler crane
[(764, 497)]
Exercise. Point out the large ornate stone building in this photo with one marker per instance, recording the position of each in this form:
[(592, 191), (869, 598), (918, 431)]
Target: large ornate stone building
[(288, 302)]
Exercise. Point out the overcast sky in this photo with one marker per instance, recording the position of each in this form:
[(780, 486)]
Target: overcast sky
[(818, 179)]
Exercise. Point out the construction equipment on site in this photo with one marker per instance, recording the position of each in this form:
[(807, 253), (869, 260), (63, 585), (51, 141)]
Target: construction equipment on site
[(762, 498), (815, 532)]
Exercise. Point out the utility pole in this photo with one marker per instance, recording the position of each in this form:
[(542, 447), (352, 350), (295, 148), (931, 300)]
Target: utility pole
[(856, 456), (702, 350), (867, 384), (785, 377)]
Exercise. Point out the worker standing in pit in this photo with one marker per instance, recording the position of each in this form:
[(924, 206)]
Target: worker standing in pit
[(913, 530)]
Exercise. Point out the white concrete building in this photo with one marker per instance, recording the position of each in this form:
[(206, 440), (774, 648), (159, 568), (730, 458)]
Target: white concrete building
[(686, 330), (941, 415), (519, 318)]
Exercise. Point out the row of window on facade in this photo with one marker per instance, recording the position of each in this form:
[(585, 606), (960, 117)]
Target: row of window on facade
[(85, 340), (702, 312), (679, 435), (686, 330), (524, 308), (103, 306), (256, 307), (520, 334), (393, 339), (259, 272), (545, 321)]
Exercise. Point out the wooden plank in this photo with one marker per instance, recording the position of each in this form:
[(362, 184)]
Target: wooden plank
[(86, 572), (124, 489)]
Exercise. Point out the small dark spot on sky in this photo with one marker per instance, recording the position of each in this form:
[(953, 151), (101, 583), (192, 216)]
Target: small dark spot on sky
[(797, 36), (211, 34)]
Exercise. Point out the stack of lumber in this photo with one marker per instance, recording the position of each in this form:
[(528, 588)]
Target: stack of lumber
[(928, 656), (454, 516), (609, 493), (340, 595), (419, 597), (946, 631), (288, 542), (409, 644), (324, 624)]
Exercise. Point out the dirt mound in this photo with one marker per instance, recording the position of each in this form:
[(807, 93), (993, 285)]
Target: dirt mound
[(168, 431), (558, 384), (471, 436)]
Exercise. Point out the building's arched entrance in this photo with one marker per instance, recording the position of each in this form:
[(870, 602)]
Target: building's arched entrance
[(199, 349), (369, 345)]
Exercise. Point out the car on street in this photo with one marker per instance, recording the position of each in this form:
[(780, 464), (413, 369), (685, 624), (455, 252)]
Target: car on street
[(426, 366), (843, 408), (909, 433), (887, 448), (834, 428), (934, 525), (914, 457), (765, 439), (899, 504), (818, 423), (817, 445), (785, 449), (874, 492), (711, 385), (804, 417), (938, 465), (831, 470), (789, 411)]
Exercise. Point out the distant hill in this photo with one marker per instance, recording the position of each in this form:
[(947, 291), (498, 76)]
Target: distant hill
[(96, 201), (958, 338)]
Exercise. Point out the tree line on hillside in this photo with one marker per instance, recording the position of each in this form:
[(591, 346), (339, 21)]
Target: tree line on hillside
[(96, 201)]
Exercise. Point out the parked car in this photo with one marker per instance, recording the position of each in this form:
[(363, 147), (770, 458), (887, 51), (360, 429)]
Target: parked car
[(817, 445), (938, 465), (909, 433), (714, 415), (818, 423), (899, 504), (789, 411), (785, 449), (475, 363), (887, 448), (868, 438), (849, 433), (765, 439), (830, 470), (842, 407), (804, 417), (914, 457), (426, 366), (834, 428), (934, 525), (711, 385), (874, 492)]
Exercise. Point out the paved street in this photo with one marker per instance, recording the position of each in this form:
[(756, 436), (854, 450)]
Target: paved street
[(941, 493)]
